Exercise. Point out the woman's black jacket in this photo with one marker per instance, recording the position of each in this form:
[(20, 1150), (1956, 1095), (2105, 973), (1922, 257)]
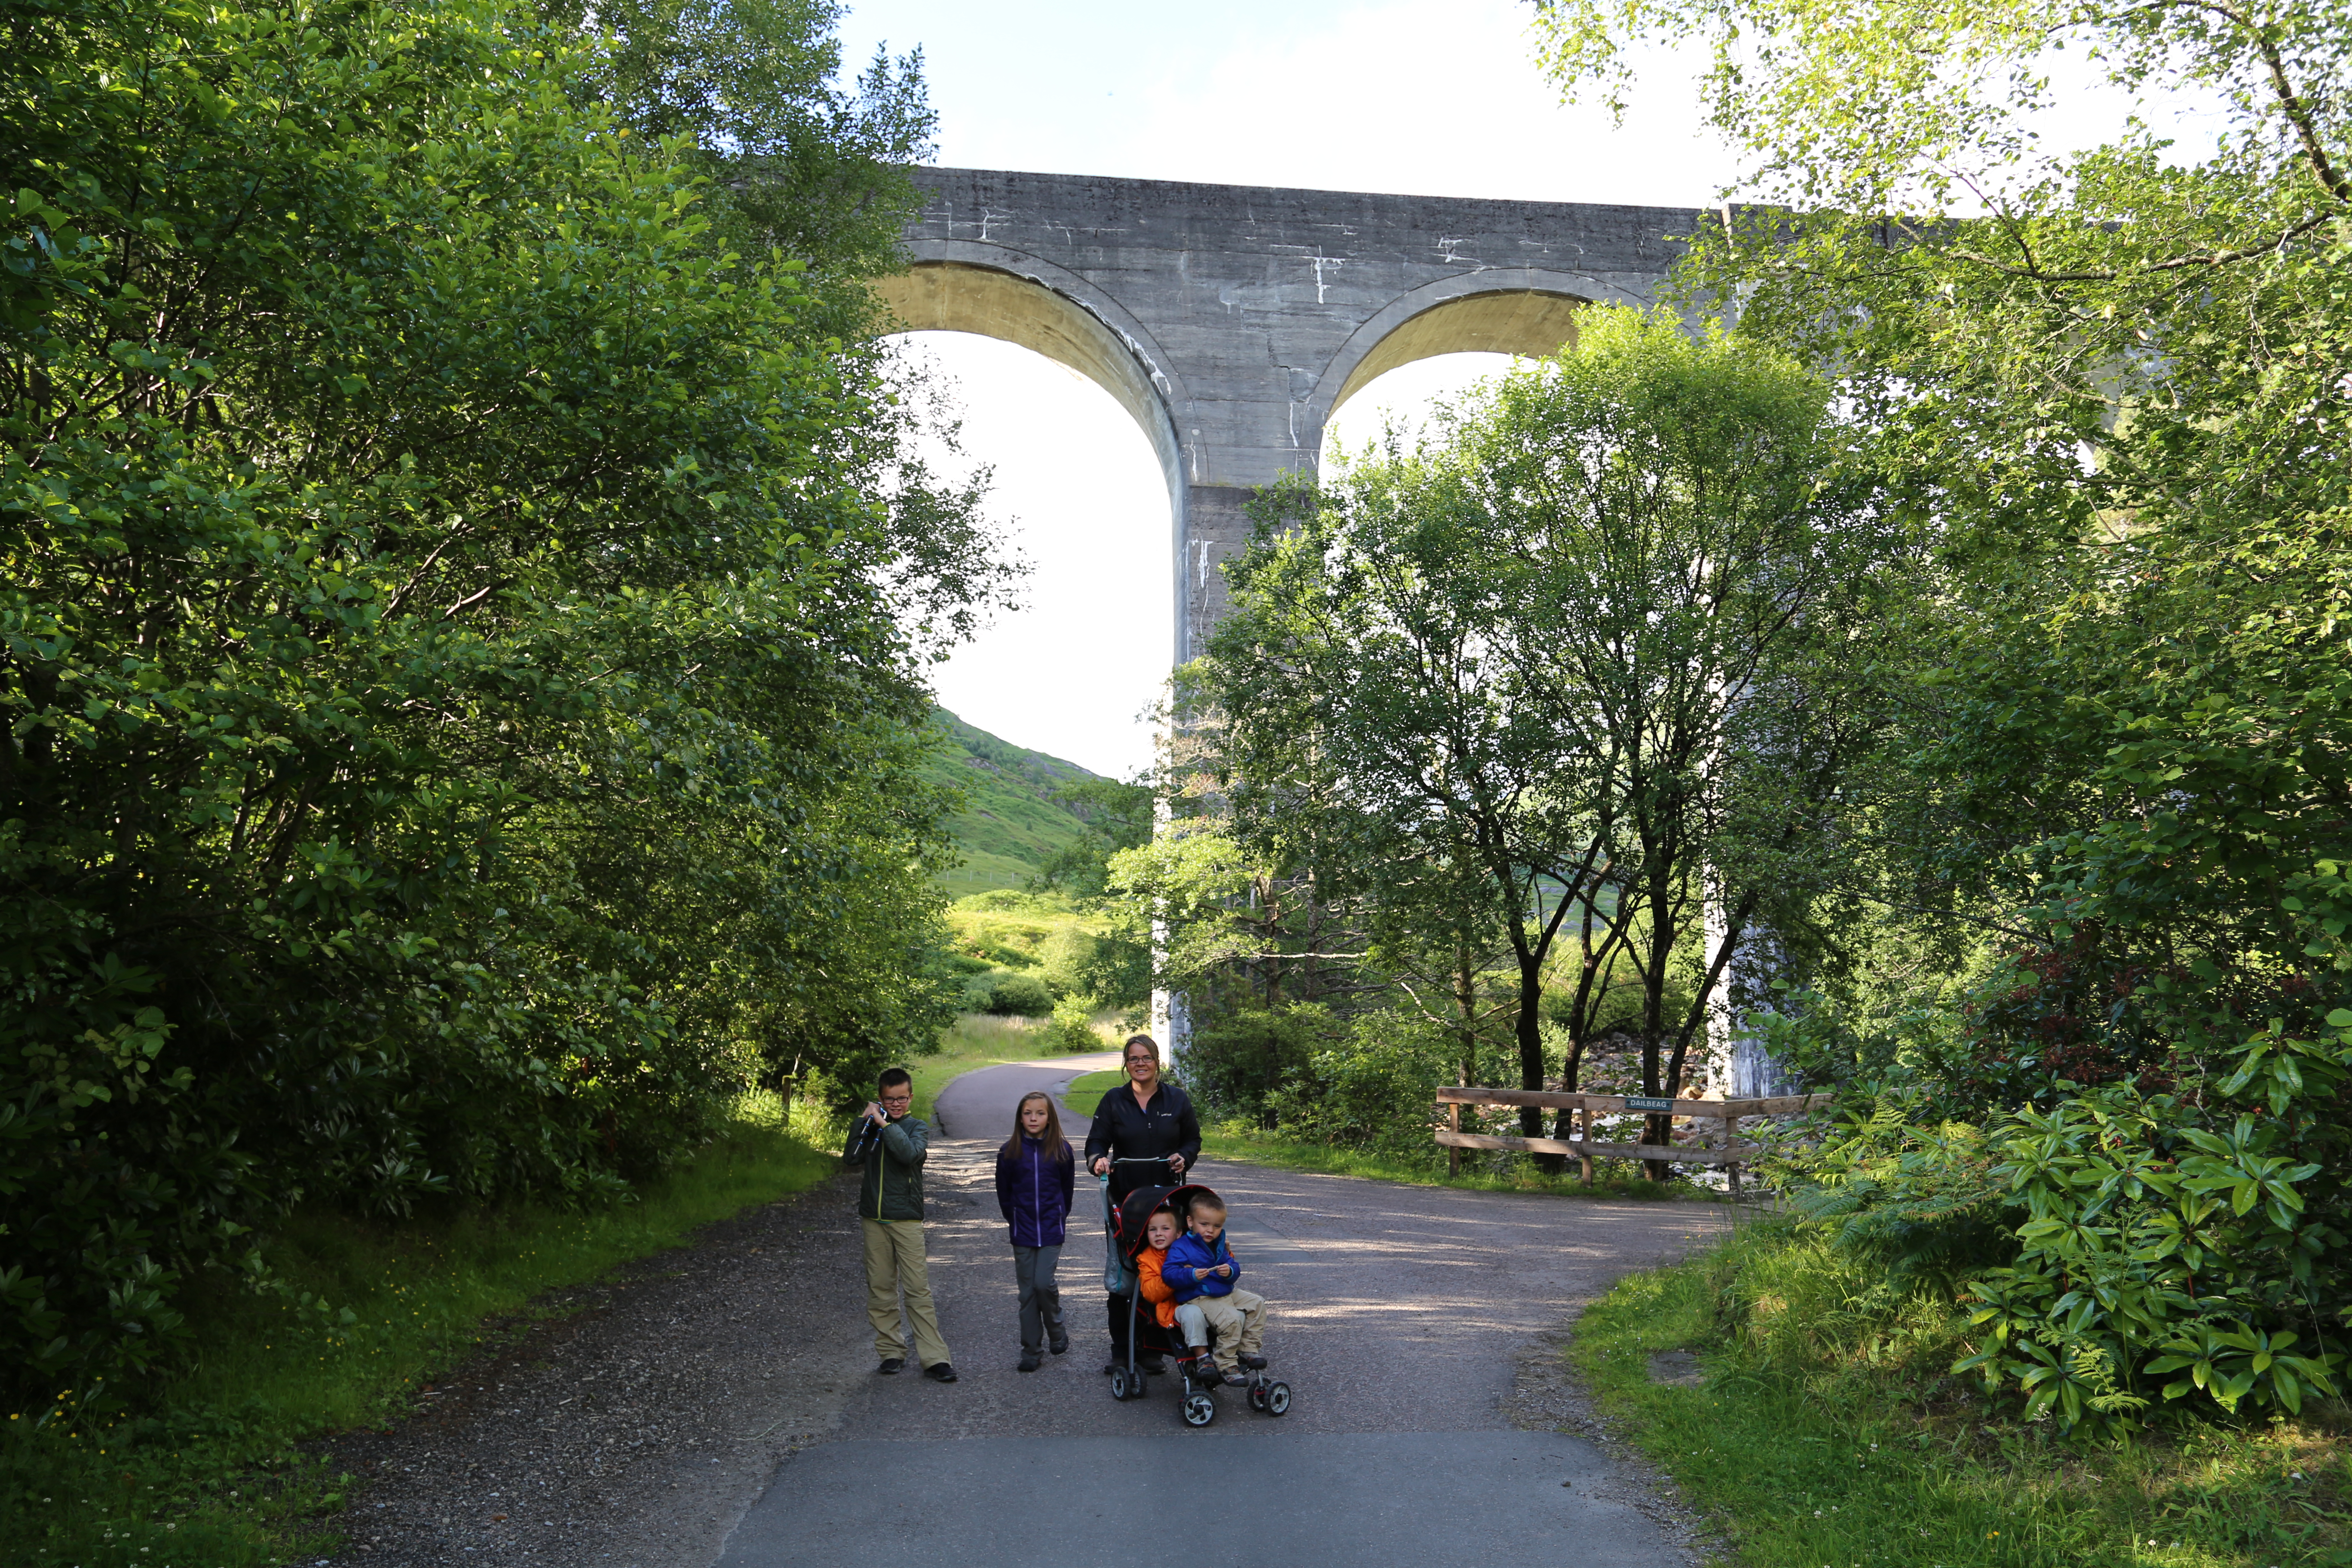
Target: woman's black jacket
[(1126, 1130)]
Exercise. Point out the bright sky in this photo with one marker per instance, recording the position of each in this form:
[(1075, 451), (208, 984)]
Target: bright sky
[(1424, 97)]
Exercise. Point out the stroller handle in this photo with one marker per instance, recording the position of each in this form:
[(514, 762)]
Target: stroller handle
[(1134, 1160)]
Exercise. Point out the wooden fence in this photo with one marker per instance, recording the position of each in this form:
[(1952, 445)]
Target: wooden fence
[(1587, 1106)]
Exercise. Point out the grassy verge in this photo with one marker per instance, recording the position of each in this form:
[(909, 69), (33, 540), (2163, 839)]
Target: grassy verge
[(1087, 1092), (1500, 1173), (1827, 1436), (979, 1040), (213, 1478)]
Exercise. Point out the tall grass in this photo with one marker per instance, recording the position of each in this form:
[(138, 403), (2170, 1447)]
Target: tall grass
[(203, 1472), (1829, 1432)]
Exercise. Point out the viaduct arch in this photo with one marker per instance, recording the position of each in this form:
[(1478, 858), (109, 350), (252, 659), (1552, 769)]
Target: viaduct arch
[(1232, 320)]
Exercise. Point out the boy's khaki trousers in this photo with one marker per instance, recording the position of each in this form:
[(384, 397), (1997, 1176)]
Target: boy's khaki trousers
[(1237, 1318), (895, 1262)]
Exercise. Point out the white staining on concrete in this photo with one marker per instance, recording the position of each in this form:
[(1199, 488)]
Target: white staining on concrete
[(1334, 262)]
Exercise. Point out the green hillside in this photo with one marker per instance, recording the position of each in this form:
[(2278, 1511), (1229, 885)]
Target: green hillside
[(1008, 828)]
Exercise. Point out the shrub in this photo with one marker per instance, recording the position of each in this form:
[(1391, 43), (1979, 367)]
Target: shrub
[(1066, 962), (1074, 1026), (1236, 1065), (1009, 994), (1375, 1091), (2119, 1246)]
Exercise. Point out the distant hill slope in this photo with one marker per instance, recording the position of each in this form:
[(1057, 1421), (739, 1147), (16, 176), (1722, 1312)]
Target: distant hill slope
[(1008, 828)]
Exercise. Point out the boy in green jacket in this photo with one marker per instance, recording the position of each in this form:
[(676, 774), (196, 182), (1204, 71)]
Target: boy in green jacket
[(891, 1146)]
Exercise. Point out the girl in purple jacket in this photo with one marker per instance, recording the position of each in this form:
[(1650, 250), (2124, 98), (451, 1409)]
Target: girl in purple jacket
[(1035, 1172)]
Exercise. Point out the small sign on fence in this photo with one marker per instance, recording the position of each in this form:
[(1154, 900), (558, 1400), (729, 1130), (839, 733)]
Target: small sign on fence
[(1649, 1102)]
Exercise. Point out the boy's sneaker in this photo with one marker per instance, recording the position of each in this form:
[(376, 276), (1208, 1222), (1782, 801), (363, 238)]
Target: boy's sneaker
[(1057, 1338), (1254, 1362), (1030, 1359)]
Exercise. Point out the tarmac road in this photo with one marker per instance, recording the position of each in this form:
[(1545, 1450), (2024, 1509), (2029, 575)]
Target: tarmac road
[(980, 1105), (1400, 1314), (718, 1403)]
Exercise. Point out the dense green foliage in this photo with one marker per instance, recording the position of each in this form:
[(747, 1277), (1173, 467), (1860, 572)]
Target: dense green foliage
[(459, 625), (1031, 954), (2116, 809)]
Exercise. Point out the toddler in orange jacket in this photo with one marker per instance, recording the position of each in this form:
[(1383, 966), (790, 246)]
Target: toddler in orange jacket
[(1158, 1234)]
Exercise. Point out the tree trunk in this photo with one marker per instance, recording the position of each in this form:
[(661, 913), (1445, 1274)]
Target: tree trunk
[(1656, 1130), (1465, 1007), (1530, 1036)]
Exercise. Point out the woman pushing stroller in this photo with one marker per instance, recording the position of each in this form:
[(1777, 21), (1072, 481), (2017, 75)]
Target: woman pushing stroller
[(1144, 1135)]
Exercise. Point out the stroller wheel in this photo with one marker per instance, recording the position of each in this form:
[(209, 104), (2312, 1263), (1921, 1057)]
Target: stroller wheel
[(1278, 1398), (1118, 1382), (1257, 1397), (1199, 1409)]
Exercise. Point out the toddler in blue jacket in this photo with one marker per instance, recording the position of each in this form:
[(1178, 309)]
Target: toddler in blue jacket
[(1201, 1271)]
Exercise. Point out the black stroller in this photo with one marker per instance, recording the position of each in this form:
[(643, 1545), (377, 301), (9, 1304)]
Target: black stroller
[(1263, 1393)]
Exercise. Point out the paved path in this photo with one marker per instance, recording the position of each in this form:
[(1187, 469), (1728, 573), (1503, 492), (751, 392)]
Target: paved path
[(718, 1404), (1400, 1316), (1401, 1501), (980, 1105)]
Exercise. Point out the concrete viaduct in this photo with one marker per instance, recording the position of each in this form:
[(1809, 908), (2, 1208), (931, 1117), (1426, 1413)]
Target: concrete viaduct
[(1231, 321)]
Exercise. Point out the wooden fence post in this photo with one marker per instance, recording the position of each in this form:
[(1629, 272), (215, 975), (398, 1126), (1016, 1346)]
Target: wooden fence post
[(1584, 1135), (1454, 1156)]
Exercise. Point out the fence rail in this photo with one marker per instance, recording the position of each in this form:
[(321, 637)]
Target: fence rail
[(1582, 1149)]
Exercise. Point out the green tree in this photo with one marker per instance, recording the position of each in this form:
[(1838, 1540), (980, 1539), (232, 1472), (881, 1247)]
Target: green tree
[(2113, 381), (1572, 640), (458, 705), (813, 168), (1118, 816)]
